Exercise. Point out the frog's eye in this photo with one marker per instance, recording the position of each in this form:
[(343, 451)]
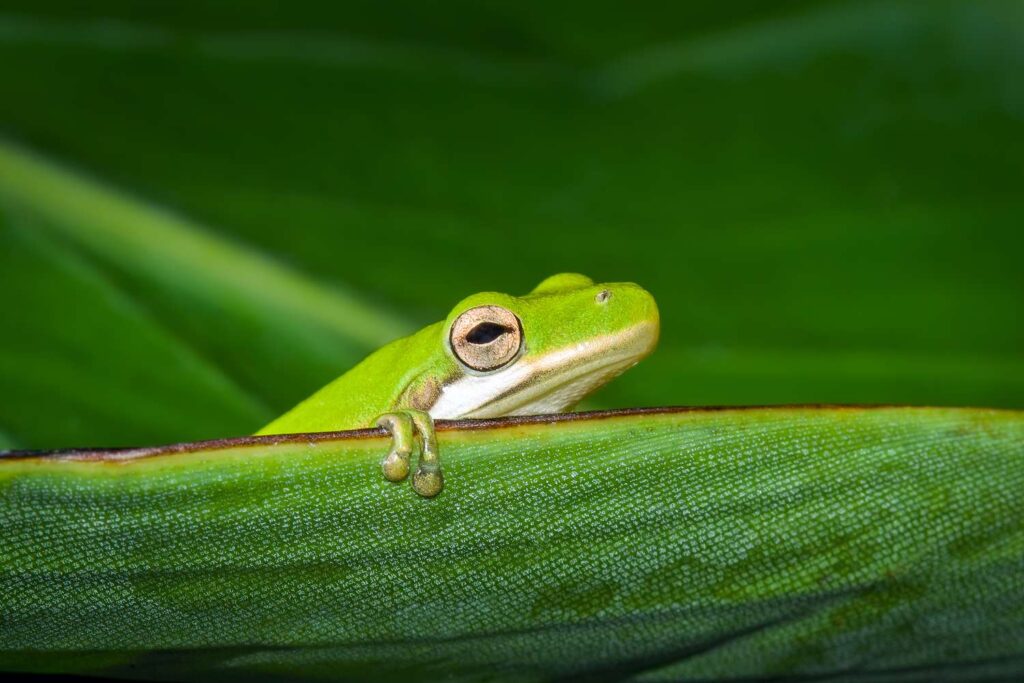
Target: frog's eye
[(486, 337)]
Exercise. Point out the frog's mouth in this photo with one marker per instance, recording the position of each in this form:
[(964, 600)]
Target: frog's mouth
[(551, 383)]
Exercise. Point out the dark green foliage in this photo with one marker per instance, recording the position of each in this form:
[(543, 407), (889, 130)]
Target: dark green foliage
[(824, 197)]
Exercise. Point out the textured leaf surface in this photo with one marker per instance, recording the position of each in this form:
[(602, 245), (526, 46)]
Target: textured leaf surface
[(860, 544)]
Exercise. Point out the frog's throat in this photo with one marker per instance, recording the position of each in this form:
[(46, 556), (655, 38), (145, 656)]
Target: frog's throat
[(551, 383)]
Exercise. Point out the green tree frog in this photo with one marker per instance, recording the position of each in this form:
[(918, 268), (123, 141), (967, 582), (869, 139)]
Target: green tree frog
[(494, 355)]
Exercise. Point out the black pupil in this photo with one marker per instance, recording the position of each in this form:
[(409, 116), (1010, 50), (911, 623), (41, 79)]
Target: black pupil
[(485, 333)]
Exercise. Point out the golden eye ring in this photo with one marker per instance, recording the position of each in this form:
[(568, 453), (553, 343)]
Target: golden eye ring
[(486, 338)]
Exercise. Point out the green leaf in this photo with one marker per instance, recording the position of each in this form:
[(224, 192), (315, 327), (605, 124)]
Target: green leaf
[(875, 544), (139, 326), (823, 197)]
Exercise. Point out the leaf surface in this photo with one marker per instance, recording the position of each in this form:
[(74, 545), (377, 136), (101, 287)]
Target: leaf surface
[(860, 544)]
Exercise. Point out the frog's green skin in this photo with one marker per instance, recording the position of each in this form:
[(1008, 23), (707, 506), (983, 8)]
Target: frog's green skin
[(575, 337)]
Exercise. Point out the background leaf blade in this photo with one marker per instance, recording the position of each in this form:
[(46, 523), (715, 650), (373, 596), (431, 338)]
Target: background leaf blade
[(823, 197)]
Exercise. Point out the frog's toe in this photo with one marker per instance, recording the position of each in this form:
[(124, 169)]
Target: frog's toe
[(428, 480), (395, 465)]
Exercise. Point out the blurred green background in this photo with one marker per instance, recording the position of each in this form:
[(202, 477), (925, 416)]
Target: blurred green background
[(209, 210)]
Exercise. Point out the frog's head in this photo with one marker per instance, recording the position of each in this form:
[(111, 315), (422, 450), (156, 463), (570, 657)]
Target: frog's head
[(543, 352)]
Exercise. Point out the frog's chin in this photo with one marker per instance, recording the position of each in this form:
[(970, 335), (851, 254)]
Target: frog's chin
[(550, 383)]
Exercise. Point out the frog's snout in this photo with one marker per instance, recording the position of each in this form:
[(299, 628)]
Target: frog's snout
[(630, 307), (628, 296)]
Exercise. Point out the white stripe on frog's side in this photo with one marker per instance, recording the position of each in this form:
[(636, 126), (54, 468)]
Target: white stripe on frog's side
[(550, 383)]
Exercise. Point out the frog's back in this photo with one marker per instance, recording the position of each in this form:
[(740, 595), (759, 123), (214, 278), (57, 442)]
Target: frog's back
[(374, 386)]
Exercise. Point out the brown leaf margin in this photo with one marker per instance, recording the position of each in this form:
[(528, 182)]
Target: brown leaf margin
[(124, 453)]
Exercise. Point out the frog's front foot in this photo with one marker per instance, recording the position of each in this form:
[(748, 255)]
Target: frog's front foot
[(403, 425)]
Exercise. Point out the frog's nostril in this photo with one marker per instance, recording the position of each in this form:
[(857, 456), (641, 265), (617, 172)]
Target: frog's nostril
[(603, 296)]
